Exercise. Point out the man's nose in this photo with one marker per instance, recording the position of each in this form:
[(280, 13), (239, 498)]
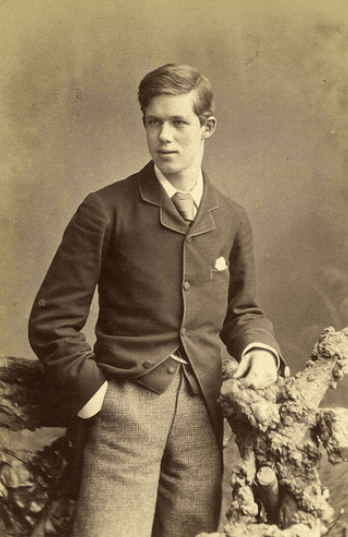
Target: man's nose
[(166, 134)]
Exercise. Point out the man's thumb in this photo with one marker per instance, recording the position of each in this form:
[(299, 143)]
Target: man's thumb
[(242, 369)]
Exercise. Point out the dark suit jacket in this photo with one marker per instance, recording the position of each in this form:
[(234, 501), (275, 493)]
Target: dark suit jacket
[(158, 285)]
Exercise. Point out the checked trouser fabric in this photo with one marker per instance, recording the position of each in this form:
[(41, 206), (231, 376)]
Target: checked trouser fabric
[(152, 466)]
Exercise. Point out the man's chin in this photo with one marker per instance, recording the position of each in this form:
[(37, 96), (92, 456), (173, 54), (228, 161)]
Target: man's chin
[(168, 169)]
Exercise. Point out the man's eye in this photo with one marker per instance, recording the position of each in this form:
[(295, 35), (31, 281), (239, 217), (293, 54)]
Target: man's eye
[(152, 122), (180, 123)]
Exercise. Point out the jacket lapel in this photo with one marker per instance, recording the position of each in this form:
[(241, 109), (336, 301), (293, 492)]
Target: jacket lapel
[(152, 192), (204, 221)]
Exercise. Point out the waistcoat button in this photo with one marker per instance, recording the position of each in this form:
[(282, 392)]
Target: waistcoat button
[(147, 365), (187, 286)]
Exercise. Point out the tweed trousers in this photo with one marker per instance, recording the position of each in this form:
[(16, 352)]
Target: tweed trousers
[(152, 466)]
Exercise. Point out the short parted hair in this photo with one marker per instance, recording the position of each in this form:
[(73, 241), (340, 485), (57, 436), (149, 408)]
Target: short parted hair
[(175, 79)]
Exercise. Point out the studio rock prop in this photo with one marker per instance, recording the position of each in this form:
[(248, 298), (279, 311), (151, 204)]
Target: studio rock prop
[(280, 432), (38, 474)]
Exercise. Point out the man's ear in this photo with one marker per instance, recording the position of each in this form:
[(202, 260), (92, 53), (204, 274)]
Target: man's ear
[(209, 127)]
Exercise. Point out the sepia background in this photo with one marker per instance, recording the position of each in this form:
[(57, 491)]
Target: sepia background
[(70, 123)]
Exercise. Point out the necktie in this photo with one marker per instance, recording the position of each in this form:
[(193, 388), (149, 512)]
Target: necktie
[(185, 205)]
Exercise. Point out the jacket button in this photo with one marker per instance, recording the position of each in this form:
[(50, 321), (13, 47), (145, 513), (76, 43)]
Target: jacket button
[(183, 332), (189, 240), (187, 286), (147, 365), (171, 369), (42, 302)]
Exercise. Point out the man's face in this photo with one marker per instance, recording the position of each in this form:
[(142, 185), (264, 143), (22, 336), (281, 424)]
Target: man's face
[(174, 133)]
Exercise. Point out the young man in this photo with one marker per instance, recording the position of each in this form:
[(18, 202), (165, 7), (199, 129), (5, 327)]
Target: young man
[(173, 276)]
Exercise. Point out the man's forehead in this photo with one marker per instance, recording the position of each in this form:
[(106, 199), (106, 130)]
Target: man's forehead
[(172, 104)]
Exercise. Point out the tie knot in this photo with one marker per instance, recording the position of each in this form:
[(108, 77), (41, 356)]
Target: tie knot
[(185, 205)]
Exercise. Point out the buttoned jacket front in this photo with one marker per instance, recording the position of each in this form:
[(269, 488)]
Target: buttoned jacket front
[(161, 284)]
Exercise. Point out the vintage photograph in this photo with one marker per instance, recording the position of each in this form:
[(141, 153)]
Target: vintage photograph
[(174, 274)]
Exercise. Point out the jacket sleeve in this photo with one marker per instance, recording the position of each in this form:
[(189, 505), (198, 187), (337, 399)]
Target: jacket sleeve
[(245, 323), (62, 305)]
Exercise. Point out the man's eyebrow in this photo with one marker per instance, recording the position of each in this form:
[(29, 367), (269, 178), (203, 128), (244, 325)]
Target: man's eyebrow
[(152, 116), (179, 117)]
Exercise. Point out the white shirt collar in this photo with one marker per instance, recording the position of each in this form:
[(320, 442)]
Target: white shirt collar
[(196, 192)]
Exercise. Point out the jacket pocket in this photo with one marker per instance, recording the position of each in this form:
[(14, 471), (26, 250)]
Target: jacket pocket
[(220, 275)]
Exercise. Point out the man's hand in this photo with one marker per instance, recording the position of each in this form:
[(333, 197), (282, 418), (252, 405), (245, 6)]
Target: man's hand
[(257, 369)]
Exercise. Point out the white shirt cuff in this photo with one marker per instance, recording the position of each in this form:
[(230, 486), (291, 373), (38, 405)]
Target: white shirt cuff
[(256, 345), (94, 405)]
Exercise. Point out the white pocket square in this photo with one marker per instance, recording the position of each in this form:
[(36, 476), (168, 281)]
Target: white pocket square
[(220, 264)]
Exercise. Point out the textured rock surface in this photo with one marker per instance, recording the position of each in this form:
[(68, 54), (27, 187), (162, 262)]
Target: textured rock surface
[(31, 467), (37, 487), (25, 401), (281, 428), (333, 431)]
